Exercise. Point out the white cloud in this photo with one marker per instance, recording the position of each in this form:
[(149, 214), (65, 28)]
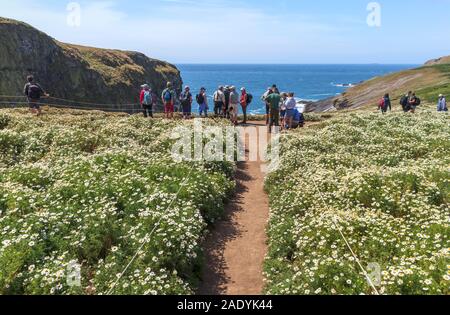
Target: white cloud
[(183, 30)]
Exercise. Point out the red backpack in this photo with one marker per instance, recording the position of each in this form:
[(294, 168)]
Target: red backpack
[(381, 103)]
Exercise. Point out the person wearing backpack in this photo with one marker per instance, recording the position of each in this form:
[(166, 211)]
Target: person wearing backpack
[(385, 104), (219, 101), (404, 102), (202, 101), (245, 100), (33, 91), (413, 102), (186, 102), (226, 111), (442, 104), (168, 97), (263, 98), (146, 99)]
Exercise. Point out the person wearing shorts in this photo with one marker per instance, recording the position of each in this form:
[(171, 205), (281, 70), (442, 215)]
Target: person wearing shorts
[(33, 91), (168, 97)]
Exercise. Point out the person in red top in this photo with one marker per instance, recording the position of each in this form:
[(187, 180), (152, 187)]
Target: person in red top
[(244, 104)]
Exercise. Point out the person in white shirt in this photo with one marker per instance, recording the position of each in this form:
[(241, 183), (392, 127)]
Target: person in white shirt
[(219, 101), (442, 104), (290, 103)]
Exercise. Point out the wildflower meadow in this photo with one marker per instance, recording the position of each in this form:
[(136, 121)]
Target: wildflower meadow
[(360, 205), (92, 203)]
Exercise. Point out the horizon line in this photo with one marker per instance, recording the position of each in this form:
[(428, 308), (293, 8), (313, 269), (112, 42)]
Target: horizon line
[(297, 64)]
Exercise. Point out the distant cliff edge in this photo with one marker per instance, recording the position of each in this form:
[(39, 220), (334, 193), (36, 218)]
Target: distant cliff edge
[(85, 74), (427, 81)]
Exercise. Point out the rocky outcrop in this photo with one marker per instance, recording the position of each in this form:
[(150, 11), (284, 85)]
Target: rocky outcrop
[(85, 74), (438, 61), (427, 81)]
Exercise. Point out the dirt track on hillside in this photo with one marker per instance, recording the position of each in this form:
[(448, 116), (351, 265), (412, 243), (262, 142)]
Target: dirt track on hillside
[(236, 247)]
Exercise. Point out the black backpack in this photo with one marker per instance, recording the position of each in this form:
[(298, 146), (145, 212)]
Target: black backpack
[(418, 101), (404, 101), (249, 99), (200, 99), (34, 91)]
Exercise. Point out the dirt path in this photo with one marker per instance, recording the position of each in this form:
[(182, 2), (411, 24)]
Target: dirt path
[(236, 248)]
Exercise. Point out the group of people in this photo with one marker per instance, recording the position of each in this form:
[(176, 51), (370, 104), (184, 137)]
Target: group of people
[(281, 109), (409, 102), (226, 102)]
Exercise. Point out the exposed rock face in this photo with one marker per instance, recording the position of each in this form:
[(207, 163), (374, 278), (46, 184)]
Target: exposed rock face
[(73, 72), (438, 61), (428, 82)]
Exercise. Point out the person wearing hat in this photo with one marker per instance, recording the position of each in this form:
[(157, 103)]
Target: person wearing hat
[(186, 103), (234, 104), (146, 100), (219, 101), (442, 104), (168, 97), (274, 100)]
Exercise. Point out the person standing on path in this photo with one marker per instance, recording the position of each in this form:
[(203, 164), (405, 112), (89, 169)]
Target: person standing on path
[(168, 97), (202, 101), (243, 100), (263, 98), (226, 110), (442, 104), (33, 91), (146, 99), (274, 100), (219, 102), (284, 97), (186, 102), (234, 104)]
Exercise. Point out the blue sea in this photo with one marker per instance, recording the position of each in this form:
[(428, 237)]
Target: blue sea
[(308, 82)]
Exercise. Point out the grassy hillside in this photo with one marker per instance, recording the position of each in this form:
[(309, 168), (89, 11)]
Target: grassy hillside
[(85, 74), (384, 182), (428, 82), (94, 189)]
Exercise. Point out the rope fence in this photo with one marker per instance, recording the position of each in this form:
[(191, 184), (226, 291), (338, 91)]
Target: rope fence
[(8, 101)]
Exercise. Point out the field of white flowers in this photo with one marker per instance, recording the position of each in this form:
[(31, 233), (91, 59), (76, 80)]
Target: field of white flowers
[(385, 181), (98, 190)]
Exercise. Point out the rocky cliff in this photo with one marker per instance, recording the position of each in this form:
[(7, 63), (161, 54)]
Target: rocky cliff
[(427, 81), (85, 74)]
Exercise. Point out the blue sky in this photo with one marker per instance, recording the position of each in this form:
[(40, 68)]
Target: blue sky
[(250, 31)]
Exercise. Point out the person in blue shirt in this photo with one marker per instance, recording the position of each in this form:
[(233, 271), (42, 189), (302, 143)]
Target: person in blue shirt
[(442, 104), (299, 119)]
